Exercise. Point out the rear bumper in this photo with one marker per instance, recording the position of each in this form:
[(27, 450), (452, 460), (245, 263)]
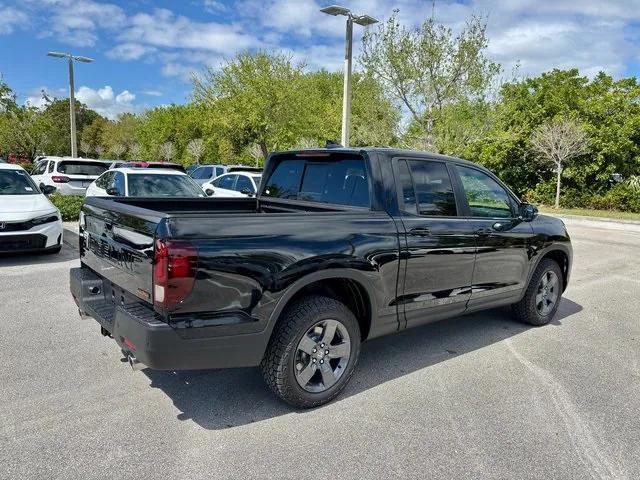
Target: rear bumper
[(138, 331)]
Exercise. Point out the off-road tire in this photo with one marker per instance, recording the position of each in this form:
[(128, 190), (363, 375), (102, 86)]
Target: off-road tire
[(278, 363)]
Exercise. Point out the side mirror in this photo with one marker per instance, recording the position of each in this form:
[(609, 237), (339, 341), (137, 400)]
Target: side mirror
[(113, 191), (209, 192), (527, 212), (246, 191), (47, 189)]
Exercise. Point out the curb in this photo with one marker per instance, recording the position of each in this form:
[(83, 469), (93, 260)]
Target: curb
[(593, 219), (71, 238), (595, 222)]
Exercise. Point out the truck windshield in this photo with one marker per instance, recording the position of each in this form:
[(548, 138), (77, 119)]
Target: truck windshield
[(16, 182), (340, 179)]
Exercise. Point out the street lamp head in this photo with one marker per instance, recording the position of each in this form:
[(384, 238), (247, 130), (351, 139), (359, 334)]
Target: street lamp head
[(336, 10), (365, 20), (82, 59), (57, 54)]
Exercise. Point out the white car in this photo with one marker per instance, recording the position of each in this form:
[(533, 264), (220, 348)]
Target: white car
[(69, 176), (235, 184), (144, 182), (28, 219)]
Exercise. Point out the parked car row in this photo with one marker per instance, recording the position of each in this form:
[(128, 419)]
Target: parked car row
[(81, 176), (30, 222)]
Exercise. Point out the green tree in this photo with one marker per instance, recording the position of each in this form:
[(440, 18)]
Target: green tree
[(429, 67), (255, 98), (93, 134), (56, 113)]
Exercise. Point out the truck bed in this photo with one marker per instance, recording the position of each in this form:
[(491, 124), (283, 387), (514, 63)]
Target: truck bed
[(118, 238)]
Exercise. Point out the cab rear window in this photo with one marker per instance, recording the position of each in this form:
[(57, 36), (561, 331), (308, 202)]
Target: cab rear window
[(82, 168), (333, 178)]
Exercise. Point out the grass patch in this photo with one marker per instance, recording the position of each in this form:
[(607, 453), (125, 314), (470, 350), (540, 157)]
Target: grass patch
[(587, 212)]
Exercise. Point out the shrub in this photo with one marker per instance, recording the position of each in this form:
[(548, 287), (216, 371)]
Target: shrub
[(69, 206), (621, 197)]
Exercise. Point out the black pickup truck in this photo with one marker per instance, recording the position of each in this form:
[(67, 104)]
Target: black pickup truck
[(339, 246)]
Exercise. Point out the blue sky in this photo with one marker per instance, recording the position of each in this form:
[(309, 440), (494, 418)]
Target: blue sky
[(146, 50)]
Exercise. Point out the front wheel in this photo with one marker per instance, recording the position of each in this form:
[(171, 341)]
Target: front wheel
[(542, 298), (313, 352)]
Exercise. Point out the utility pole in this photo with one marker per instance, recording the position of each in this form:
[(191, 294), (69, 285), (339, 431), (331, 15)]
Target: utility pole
[(72, 96)]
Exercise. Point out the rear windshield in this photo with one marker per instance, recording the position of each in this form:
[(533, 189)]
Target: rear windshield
[(336, 178), (16, 182), (160, 185), (71, 167)]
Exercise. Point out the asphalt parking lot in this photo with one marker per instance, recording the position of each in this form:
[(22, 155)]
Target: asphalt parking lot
[(475, 397)]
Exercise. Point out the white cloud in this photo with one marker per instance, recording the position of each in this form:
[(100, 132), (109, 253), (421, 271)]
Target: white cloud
[(213, 6), (105, 102), (76, 22), (10, 19), (164, 29), (152, 93), (130, 51)]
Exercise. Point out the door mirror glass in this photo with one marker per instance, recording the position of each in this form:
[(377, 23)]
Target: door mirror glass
[(528, 212), (209, 192)]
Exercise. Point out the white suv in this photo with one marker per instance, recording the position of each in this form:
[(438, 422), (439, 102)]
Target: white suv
[(69, 176)]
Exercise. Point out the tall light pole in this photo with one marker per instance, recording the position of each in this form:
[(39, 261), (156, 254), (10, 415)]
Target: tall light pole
[(364, 20), (72, 97)]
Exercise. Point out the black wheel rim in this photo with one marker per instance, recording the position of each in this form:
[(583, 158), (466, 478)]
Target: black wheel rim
[(547, 293), (322, 356)]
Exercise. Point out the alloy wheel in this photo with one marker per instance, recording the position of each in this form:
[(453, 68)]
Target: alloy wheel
[(322, 356), (547, 294)]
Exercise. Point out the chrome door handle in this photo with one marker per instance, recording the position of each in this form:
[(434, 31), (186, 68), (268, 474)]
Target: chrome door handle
[(421, 232)]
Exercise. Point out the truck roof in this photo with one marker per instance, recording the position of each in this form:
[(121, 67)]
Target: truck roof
[(388, 151)]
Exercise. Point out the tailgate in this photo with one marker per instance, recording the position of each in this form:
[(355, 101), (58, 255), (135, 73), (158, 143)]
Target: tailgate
[(117, 243)]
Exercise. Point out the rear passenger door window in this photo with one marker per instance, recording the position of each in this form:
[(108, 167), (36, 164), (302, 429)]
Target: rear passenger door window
[(485, 196), (226, 182), (244, 183), (426, 188), (118, 183)]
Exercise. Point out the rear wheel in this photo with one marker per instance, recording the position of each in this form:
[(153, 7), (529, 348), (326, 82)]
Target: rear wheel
[(313, 352), (542, 298)]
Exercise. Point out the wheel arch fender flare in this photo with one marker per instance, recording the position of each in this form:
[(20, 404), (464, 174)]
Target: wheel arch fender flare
[(544, 253), (328, 274)]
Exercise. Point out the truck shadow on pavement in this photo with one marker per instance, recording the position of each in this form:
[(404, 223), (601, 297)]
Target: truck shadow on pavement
[(219, 399)]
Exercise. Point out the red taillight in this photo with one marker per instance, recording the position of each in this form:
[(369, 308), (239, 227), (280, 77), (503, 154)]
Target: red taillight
[(60, 179), (174, 272)]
